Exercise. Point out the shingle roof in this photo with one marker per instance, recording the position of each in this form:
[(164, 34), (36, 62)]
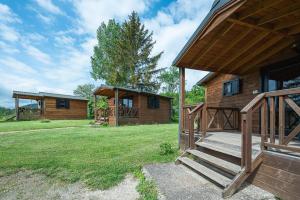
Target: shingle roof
[(45, 94), (218, 4)]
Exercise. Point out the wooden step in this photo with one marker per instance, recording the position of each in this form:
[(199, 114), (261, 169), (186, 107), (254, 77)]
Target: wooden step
[(217, 162), (219, 149), (214, 176)]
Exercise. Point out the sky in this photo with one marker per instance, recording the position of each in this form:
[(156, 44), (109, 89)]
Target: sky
[(46, 45)]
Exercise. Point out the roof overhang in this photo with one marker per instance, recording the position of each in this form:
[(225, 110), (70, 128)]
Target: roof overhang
[(41, 95), (109, 91), (242, 36)]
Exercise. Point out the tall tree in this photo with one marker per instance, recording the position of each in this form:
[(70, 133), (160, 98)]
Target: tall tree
[(169, 80), (85, 90), (136, 46), (122, 56)]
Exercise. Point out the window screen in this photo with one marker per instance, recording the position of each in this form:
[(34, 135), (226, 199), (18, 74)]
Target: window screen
[(153, 102), (62, 103)]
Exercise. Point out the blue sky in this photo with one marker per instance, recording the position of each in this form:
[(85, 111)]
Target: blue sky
[(46, 45)]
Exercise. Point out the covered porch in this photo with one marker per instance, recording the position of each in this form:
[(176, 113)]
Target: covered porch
[(31, 111)]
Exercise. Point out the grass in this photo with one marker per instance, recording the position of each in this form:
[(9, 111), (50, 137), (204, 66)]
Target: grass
[(32, 125), (100, 157)]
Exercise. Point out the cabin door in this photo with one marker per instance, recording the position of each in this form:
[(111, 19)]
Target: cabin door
[(284, 75)]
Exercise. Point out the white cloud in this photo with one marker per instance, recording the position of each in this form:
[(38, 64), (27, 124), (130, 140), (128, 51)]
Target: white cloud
[(93, 12), (173, 27), (8, 33), (38, 54), (13, 65), (4, 47), (64, 40), (7, 17), (49, 6), (45, 19), (6, 14)]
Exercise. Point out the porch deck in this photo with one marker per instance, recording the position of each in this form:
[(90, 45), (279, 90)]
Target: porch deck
[(230, 143)]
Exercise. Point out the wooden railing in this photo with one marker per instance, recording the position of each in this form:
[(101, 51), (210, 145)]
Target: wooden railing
[(29, 113), (266, 102), (103, 114), (201, 118)]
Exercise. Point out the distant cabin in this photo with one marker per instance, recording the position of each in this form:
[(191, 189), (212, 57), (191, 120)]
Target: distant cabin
[(132, 106), (50, 106)]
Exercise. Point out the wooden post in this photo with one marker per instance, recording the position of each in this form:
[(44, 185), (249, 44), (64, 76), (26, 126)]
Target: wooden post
[(191, 131), (264, 123), (17, 107), (117, 107), (204, 121), (95, 104), (181, 104), (281, 119), (272, 120)]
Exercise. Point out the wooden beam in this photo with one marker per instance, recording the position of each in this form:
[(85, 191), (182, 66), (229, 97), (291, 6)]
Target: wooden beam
[(257, 51), (181, 103), (293, 105), (264, 123), (292, 134), (117, 107), (17, 107), (230, 46), (217, 36), (293, 8), (272, 120), (289, 148), (294, 30), (246, 47), (269, 53), (257, 8), (281, 120), (287, 24)]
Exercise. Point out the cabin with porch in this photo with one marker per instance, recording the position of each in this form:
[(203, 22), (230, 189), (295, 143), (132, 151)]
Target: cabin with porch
[(50, 106), (248, 128), (132, 106)]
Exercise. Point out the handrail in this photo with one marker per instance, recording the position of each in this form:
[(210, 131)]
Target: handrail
[(260, 101), (199, 106)]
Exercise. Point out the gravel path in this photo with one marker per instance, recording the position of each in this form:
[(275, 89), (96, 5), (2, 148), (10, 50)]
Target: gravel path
[(27, 185), (176, 182)]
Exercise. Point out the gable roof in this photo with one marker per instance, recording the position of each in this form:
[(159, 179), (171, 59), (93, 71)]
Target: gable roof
[(39, 95), (100, 91), (207, 78)]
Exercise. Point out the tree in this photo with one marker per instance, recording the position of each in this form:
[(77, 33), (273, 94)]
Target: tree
[(86, 91), (195, 96), (170, 80), (122, 56)]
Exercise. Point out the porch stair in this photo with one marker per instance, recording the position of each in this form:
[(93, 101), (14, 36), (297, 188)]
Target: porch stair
[(217, 163)]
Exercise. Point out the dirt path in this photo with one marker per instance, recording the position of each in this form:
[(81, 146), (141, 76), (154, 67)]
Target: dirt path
[(28, 185)]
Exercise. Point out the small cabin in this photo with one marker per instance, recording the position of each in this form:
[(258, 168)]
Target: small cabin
[(50, 106), (132, 106), (248, 128)]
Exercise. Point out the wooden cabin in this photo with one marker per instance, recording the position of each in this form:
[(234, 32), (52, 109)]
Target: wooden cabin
[(50, 106), (248, 128), (132, 106)]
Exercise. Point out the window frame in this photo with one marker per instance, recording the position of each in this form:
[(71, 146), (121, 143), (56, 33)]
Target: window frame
[(128, 100), (153, 102), (66, 104), (234, 90)]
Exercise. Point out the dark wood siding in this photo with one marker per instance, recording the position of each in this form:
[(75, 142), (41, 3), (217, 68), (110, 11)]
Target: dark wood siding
[(77, 110), (278, 174), (249, 83)]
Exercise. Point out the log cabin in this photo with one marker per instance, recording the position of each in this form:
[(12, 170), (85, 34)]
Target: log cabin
[(248, 128), (50, 106), (132, 106)]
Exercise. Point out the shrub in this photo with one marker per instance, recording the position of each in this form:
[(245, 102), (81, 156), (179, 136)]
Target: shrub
[(166, 148)]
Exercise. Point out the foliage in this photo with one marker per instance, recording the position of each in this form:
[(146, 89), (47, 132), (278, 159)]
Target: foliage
[(195, 96), (146, 188), (5, 112), (170, 80), (86, 90), (166, 148), (101, 159), (102, 102), (122, 56)]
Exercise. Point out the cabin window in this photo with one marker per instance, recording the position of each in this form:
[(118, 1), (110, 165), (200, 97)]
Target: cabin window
[(127, 102), (62, 103), (231, 87), (153, 102)]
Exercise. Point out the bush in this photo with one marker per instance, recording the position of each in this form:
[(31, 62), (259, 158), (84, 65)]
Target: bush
[(45, 121), (166, 148)]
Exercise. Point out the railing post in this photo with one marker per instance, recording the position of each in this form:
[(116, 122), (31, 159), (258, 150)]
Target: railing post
[(264, 123), (281, 119), (247, 141), (191, 131), (272, 120), (204, 121), (181, 105)]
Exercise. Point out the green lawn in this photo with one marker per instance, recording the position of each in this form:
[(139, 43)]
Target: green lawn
[(100, 157), (31, 125)]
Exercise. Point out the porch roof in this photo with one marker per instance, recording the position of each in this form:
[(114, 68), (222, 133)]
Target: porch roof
[(40, 95), (109, 91), (240, 36)]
